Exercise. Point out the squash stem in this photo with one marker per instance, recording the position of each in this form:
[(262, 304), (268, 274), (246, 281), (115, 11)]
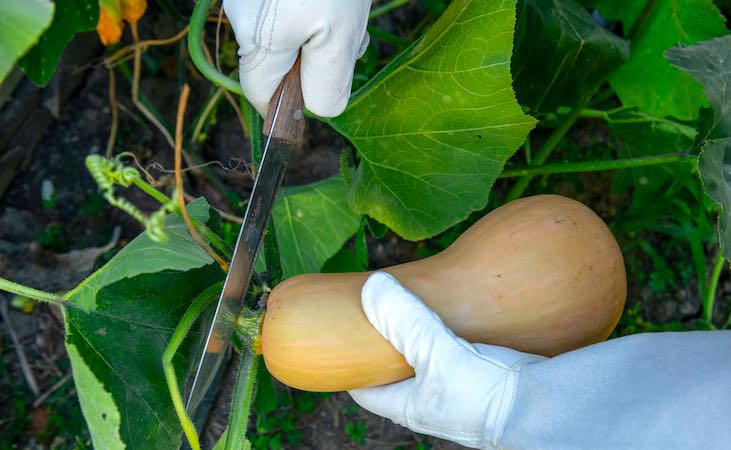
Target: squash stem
[(243, 397), (596, 166)]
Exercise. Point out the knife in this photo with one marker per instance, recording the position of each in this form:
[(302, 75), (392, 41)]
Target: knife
[(284, 128)]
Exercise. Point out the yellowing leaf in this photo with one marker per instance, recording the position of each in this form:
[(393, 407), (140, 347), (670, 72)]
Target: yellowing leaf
[(110, 23)]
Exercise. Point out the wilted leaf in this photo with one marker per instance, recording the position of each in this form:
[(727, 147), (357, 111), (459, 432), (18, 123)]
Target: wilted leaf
[(648, 81), (312, 222), (434, 127), (561, 54)]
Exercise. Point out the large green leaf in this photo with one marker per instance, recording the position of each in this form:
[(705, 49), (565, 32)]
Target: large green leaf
[(561, 54), (648, 81), (70, 17), (21, 23), (312, 223), (434, 127), (133, 304), (709, 62)]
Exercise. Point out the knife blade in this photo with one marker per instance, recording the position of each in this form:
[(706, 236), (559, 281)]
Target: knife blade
[(284, 127)]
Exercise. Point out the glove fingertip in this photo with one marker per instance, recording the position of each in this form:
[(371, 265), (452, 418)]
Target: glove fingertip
[(375, 287)]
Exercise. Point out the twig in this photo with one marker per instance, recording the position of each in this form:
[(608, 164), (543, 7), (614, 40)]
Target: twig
[(25, 368), (182, 103), (228, 95), (115, 111), (143, 45), (42, 398), (136, 89), (204, 115)]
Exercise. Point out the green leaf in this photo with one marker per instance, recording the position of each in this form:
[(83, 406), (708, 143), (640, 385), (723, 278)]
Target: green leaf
[(435, 126), (143, 255), (648, 81), (133, 305), (70, 17), (561, 54), (312, 222), (21, 23), (709, 62), (714, 165)]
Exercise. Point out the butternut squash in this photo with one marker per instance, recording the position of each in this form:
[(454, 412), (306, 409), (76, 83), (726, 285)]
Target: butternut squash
[(541, 274)]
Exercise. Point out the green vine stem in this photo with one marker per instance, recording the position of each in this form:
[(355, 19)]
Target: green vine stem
[(596, 166), (181, 331), (712, 287), (540, 156), (381, 10), (244, 392), (34, 294), (197, 22)]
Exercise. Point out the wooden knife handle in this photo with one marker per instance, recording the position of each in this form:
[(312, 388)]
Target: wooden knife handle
[(290, 124)]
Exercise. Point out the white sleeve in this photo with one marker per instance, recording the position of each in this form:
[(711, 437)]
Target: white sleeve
[(646, 391)]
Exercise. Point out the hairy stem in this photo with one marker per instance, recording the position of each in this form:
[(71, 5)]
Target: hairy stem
[(195, 47), (542, 154), (191, 314), (244, 391), (596, 166), (35, 294), (712, 286)]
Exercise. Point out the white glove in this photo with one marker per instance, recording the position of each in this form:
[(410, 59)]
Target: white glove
[(461, 392), (331, 33)]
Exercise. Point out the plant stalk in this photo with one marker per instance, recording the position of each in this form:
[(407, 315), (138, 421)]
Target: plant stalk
[(712, 287), (208, 70), (181, 331), (241, 406), (596, 166), (542, 154), (34, 294), (381, 10)]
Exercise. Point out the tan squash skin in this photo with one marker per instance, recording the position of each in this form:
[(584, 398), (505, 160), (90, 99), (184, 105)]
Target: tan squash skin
[(541, 274)]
